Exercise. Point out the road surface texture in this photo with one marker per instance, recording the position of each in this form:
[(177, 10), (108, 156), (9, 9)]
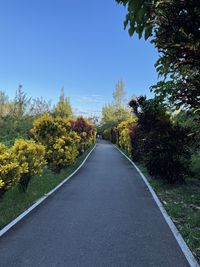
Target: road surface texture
[(103, 216)]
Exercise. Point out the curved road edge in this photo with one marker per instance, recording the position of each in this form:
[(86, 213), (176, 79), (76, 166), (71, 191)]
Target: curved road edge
[(40, 200), (184, 247)]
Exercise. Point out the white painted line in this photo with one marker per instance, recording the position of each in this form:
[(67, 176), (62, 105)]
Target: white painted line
[(185, 249), (39, 201)]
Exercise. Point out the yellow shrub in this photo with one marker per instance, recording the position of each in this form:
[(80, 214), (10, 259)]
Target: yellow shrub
[(63, 151), (9, 169), (60, 141), (124, 134), (31, 158), (63, 139), (45, 129)]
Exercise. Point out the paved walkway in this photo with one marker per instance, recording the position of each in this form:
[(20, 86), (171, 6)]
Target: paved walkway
[(103, 216)]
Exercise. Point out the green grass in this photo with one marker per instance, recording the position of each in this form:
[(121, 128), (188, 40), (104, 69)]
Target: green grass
[(182, 202), (13, 202)]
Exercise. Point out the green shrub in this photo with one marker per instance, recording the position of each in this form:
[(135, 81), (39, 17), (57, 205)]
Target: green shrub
[(195, 165), (162, 145), (107, 134)]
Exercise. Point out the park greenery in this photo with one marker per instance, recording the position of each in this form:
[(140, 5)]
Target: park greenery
[(167, 131), (162, 135), (173, 28), (164, 143), (35, 136)]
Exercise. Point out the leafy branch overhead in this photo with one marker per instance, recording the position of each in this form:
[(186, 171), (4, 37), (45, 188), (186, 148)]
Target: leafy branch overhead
[(174, 28)]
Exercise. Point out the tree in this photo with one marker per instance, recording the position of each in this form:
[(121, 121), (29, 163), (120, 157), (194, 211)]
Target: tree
[(63, 108), (15, 117), (119, 94), (21, 102), (40, 106), (3, 104), (173, 26), (164, 146), (115, 112)]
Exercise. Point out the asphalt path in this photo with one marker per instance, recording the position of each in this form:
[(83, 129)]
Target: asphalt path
[(103, 216)]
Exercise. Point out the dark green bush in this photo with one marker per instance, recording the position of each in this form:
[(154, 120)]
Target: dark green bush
[(162, 145)]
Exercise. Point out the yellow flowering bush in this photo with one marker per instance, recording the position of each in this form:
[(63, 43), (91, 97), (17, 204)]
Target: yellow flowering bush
[(31, 158), (124, 130), (45, 129), (60, 141), (9, 169), (63, 151)]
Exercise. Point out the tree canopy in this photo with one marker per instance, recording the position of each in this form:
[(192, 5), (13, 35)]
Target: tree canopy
[(63, 107), (117, 111), (174, 28)]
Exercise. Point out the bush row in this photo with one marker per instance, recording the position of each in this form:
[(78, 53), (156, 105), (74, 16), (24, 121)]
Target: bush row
[(155, 140), (55, 143)]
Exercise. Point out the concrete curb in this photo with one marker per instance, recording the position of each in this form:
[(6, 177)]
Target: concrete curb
[(39, 201), (185, 249)]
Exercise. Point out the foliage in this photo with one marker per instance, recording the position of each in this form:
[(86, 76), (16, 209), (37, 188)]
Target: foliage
[(86, 132), (31, 159), (9, 169), (124, 133), (119, 94), (16, 116), (26, 158), (115, 112), (195, 165), (45, 129), (167, 153), (174, 29), (10, 129), (14, 202), (107, 134), (62, 151), (140, 17), (181, 90), (63, 108), (114, 135), (189, 119), (59, 140), (164, 145), (39, 106), (63, 139), (20, 104)]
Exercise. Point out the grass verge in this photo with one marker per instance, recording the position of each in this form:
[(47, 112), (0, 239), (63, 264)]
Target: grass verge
[(14, 202), (182, 203)]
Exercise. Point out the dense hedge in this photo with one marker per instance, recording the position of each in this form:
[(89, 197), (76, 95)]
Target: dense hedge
[(162, 145), (55, 142), (124, 134)]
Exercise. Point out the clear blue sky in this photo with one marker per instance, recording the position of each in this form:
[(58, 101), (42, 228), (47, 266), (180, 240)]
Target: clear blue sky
[(81, 45)]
